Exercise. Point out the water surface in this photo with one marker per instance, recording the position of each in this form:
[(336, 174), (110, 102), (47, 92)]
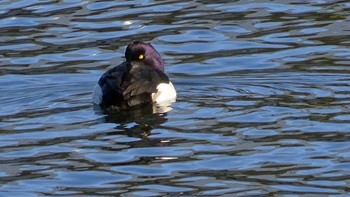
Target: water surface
[(262, 109)]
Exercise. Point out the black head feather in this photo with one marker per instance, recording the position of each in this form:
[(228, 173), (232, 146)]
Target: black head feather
[(145, 53)]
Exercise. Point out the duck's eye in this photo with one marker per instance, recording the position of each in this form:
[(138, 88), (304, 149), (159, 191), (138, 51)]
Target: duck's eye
[(141, 57)]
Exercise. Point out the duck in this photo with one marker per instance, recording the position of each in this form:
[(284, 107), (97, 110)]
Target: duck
[(137, 81)]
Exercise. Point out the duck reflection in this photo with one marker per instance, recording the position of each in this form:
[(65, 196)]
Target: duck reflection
[(137, 123)]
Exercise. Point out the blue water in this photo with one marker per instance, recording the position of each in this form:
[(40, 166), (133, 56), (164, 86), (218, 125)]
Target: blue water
[(263, 99)]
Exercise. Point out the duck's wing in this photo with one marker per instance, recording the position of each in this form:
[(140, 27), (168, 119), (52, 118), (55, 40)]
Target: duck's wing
[(142, 82)]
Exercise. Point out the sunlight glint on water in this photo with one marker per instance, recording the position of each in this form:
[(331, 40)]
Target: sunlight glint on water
[(262, 109)]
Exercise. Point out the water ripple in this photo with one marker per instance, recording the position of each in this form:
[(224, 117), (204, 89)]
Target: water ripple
[(262, 109)]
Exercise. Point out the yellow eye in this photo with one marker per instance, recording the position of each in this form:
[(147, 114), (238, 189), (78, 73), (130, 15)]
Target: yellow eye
[(141, 57)]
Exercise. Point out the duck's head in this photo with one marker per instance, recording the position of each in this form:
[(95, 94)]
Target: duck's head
[(145, 53)]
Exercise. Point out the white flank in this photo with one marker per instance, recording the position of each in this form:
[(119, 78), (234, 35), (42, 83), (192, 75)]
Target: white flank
[(97, 95), (165, 93)]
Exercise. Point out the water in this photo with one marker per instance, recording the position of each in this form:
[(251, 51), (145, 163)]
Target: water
[(263, 99)]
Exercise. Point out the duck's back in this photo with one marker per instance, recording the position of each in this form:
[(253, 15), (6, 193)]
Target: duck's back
[(108, 90), (128, 85)]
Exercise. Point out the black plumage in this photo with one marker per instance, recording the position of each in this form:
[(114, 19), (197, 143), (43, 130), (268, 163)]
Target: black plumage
[(132, 82)]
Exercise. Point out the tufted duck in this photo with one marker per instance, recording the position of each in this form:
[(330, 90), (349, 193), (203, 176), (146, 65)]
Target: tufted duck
[(138, 80)]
